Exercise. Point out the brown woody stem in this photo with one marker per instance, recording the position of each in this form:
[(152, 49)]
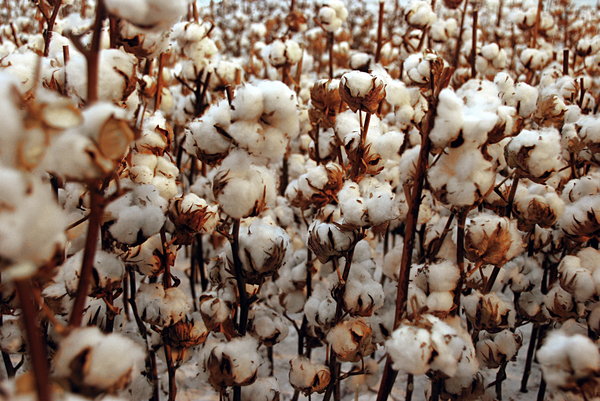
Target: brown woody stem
[(379, 32), (89, 253), (35, 340)]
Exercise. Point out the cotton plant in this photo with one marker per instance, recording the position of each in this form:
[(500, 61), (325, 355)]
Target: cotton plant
[(250, 188)]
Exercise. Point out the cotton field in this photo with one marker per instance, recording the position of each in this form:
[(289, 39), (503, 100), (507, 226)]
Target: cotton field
[(276, 200)]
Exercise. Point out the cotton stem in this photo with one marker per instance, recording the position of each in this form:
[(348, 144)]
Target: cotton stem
[(89, 253), (35, 340)]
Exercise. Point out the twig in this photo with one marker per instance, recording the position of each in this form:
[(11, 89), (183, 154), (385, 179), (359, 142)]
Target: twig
[(89, 253), (529, 360), (460, 257), (35, 340), (379, 32), (474, 42)]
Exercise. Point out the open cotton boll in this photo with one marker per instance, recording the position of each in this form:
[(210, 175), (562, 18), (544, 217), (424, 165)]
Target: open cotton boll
[(234, 362), (108, 269), (410, 349), (448, 120), (351, 340), (241, 188), (329, 240), (97, 362), (419, 14), (116, 77), (280, 107), (320, 308), (93, 148), (568, 361), (461, 176), (492, 239), (494, 349), (442, 276), (352, 204), (284, 53), (535, 154), (576, 279), (137, 215), (32, 224), (578, 188), (160, 306), (263, 249), (489, 311), (307, 376), (429, 344), (538, 204), (263, 389), (207, 138), (191, 215), (362, 294), (379, 200), (153, 15), (267, 326), (525, 97)]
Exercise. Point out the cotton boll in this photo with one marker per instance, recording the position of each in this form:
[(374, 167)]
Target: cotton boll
[(431, 344), (328, 240), (538, 204), (307, 376), (410, 349), (320, 308), (491, 312), (116, 77), (419, 15), (448, 120), (442, 276), (526, 98), (284, 53), (241, 188), (153, 15), (247, 103), (267, 326), (207, 137), (492, 239), (379, 200), (263, 249), (494, 349), (106, 361), (32, 224), (160, 306), (351, 340), (461, 176), (576, 279), (137, 215), (362, 295), (568, 361), (559, 303), (191, 215), (263, 389), (280, 107), (234, 362)]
